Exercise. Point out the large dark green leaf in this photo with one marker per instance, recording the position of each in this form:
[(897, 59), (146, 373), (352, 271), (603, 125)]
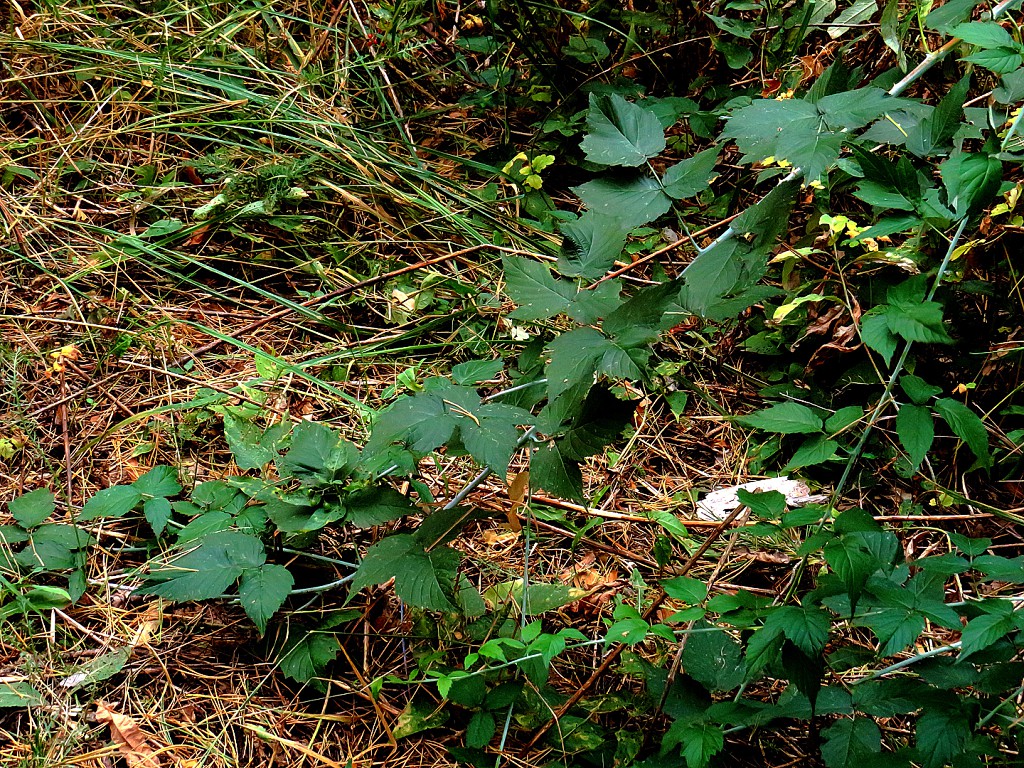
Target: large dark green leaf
[(592, 244), (966, 425), (537, 293), (691, 176), (262, 591), (620, 132), (634, 200), (422, 579)]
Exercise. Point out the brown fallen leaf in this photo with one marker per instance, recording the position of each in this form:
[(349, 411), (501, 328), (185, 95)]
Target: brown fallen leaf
[(132, 743)]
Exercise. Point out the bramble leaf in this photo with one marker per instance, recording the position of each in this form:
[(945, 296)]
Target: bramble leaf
[(262, 591), (422, 579), (621, 133), (32, 508), (916, 431), (785, 419), (537, 293), (691, 176), (849, 743), (208, 571), (966, 425), (116, 501), (634, 200), (592, 244)]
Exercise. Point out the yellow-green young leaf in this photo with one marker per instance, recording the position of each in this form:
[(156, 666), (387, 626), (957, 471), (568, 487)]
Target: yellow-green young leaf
[(916, 431), (32, 508), (621, 133), (966, 425), (784, 419), (262, 591)]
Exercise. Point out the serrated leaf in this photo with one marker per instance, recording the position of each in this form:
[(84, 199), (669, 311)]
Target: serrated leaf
[(769, 218), (940, 736), (807, 627), (262, 591), (713, 658), (634, 200), (308, 656), (895, 628), (1012, 89), (917, 322), (210, 570), (848, 743), (422, 579), (376, 506), (966, 425), (972, 180), (917, 389), (591, 305), (983, 631), (555, 473), (317, 454), (949, 14), (157, 512), (859, 12), (599, 423), (537, 293), (699, 742), (592, 244), (476, 371), (252, 446), (875, 333), (692, 176), (422, 422), (1002, 61), (620, 132), (816, 450), (876, 194), (712, 275), (159, 481), (32, 508), (785, 419), (684, 588), (916, 431), (480, 730), (116, 501), (985, 34)]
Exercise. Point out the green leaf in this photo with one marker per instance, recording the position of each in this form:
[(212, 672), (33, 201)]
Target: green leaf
[(538, 294), (966, 425), (476, 371), (917, 322), (713, 658), (843, 418), (252, 446), (784, 418), (790, 129), (208, 571), (19, 695), (983, 631), (949, 14), (157, 512), (592, 304), (116, 501), (422, 422), (692, 176), (422, 579), (691, 591), (873, 193), (634, 200), (858, 12), (599, 423), (769, 218), (1002, 61), (807, 627), (1012, 89), (875, 333), (916, 431), (592, 244), (98, 669), (481, 730), (317, 454), (849, 743), (621, 133), (815, 450), (262, 591), (419, 716), (985, 34), (852, 561), (699, 741), (557, 474), (32, 508), (713, 274), (940, 736), (376, 506), (917, 389), (895, 628), (540, 597), (972, 181), (159, 481), (308, 655)]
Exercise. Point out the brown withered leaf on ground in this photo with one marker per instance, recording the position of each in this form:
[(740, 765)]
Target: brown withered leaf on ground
[(132, 743)]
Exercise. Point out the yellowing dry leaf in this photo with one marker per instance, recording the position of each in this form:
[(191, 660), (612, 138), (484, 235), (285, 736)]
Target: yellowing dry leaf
[(132, 743), (517, 494)]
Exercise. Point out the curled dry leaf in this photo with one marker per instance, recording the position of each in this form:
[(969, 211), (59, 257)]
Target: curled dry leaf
[(132, 743)]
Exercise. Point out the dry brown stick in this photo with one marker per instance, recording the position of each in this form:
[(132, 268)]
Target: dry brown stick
[(617, 651), (259, 323)]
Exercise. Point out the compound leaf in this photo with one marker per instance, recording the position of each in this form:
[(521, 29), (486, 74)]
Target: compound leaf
[(422, 579), (538, 294), (263, 590)]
